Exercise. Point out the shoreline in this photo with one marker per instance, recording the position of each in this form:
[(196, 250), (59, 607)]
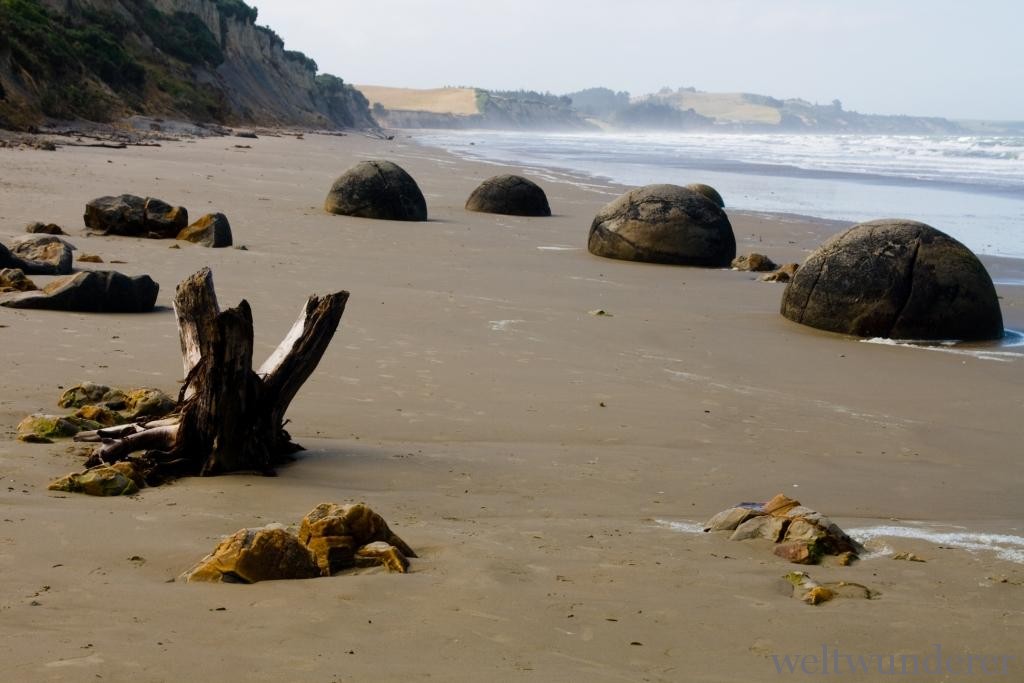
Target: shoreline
[(522, 446)]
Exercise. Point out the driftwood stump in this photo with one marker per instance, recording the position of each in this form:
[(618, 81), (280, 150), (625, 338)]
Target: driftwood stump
[(229, 418)]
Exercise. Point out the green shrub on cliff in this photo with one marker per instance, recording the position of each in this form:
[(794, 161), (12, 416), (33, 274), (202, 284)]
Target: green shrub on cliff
[(237, 9)]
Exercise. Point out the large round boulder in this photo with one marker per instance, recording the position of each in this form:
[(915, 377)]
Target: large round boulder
[(709, 192), (898, 279), (377, 189), (511, 195), (664, 224)]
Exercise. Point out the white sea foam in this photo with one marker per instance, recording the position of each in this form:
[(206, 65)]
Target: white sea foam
[(1009, 349), (971, 187), (1005, 546)]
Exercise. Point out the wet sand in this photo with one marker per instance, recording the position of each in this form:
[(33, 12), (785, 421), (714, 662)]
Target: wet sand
[(525, 448)]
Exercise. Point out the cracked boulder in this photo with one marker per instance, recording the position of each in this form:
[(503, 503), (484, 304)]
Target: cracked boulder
[(377, 189), (251, 555), (664, 224), (131, 216), (45, 254), (898, 279), (510, 195)]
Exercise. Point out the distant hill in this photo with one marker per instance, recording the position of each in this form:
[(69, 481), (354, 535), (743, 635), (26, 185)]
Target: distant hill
[(760, 113), (201, 60), (464, 108)]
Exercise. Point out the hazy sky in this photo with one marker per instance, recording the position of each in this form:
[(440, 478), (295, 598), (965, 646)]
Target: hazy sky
[(928, 57)]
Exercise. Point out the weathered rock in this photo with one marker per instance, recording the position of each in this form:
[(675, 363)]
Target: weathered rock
[(90, 258), (762, 526), (252, 555), (101, 481), (132, 216), (45, 254), (813, 593), (377, 189), (89, 393), (785, 273), (382, 554), (804, 535), (46, 428), (757, 263), (664, 224), (898, 279), (728, 520), (334, 533), (510, 195), (128, 404), (798, 552), (14, 280), (212, 230), (44, 229), (97, 291), (104, 416), (709, 192)]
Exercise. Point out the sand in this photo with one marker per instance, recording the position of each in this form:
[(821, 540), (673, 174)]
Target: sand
[(533, 454)]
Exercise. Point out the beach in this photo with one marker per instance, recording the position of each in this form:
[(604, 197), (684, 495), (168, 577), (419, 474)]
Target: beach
[(551, 467)]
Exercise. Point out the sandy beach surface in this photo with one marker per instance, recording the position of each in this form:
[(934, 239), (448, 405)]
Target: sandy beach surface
[(533, 454)]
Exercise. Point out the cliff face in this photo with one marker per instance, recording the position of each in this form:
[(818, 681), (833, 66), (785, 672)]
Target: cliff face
[(196, 59), (520, 110)]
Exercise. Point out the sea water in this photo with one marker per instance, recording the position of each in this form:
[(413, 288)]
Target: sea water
[(971, 187)]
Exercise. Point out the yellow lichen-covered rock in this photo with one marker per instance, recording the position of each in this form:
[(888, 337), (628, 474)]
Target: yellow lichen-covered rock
[(128, 469), (101, 481), (147, 403), (355, 520), (88, 393), (14, 280), (382, 554), (104, 416), (333, 553), (46, 428), (143, 402), (252, 555)]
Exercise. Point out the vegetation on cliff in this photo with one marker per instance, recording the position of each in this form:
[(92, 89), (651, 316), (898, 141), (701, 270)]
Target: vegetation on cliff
[(104, 60)]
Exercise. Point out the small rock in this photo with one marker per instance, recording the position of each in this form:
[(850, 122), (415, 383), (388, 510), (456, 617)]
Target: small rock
[(212, 230), (14, 280), (380, 553), (101, 481), (89, 258), (757, 263), (600, 313), (909, 557), (46, 428), (246, 134), (44, 229), (783, 274)]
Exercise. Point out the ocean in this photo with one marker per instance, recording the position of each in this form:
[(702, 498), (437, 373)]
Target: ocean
[(971, 187)]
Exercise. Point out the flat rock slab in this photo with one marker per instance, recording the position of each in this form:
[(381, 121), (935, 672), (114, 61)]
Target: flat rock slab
[(96, 291)]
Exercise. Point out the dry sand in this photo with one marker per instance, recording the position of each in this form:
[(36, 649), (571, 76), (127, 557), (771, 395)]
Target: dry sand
[(524, 448)]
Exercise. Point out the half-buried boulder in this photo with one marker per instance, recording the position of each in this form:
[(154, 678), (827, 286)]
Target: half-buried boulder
[(664, 224), (45, 254), (132, 216), (14, 280), (212, 230), (251, 555), (44, 228), (377, 189), (709, 192), (511, 195), (97, 291), (895, 278)]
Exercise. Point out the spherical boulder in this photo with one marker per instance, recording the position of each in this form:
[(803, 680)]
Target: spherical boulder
[(709, 192), (511, 195), (664, 224), (377, 189), (898, 279)]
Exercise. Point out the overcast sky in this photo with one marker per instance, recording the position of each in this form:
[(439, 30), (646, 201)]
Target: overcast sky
[(925, 57)]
